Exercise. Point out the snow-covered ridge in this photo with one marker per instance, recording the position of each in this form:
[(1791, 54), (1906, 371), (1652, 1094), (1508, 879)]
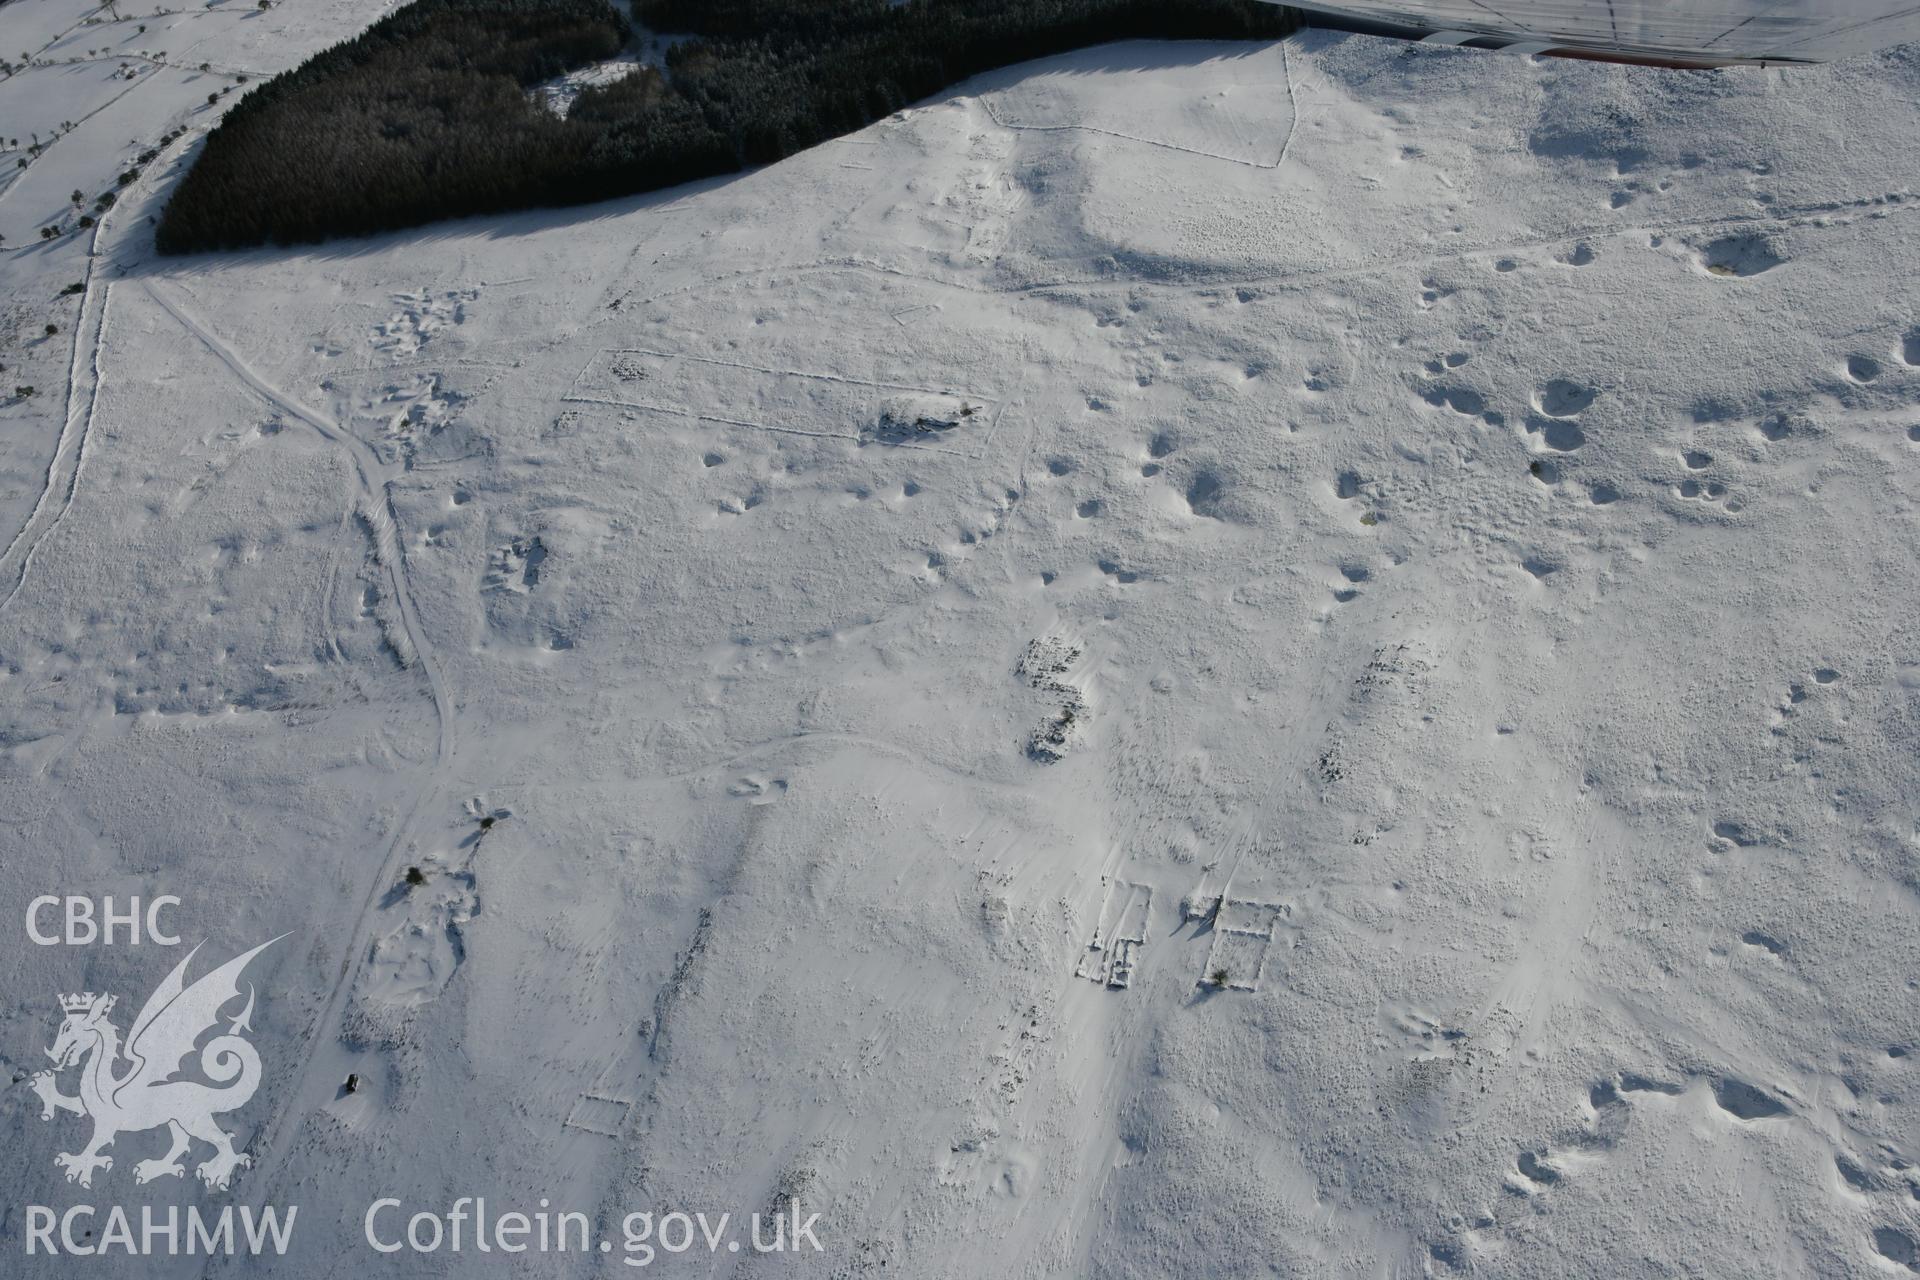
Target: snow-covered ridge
[(1384, 743)]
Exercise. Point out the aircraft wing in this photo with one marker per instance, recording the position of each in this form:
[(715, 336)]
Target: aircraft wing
[(1687, 33)]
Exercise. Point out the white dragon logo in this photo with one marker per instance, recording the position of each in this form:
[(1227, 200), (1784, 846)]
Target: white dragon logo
[(148, 1093)]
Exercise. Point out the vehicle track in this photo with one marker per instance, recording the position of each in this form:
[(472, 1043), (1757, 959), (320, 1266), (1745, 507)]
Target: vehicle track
[(63, 470), (370, 495)]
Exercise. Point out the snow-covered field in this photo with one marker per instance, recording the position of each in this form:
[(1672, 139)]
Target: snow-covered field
[(1188, 660)]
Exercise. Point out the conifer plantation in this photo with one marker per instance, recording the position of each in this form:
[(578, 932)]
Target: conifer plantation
[(429, 114)]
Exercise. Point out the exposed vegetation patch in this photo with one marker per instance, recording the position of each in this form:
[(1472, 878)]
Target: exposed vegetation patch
[(430, 113)]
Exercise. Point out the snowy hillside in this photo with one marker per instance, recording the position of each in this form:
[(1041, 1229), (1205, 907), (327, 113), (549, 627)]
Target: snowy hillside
[(1195, 660)]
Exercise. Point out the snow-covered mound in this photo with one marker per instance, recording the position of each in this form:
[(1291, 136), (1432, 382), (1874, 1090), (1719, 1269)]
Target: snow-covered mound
[(1190, 660)]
